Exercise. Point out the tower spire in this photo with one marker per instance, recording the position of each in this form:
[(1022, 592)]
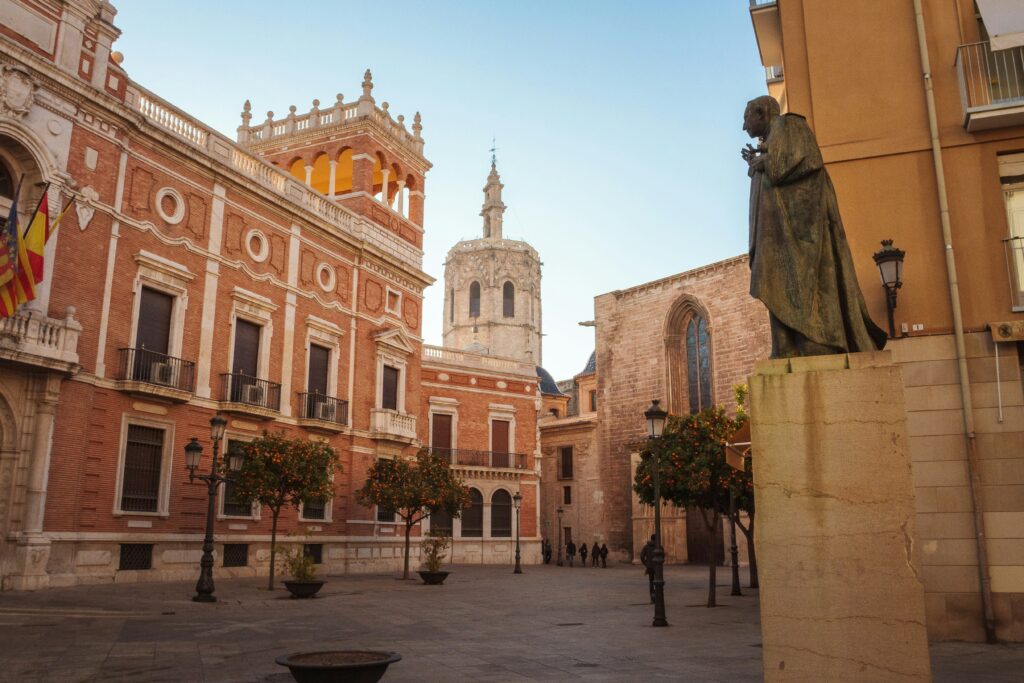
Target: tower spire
[(493, 207)]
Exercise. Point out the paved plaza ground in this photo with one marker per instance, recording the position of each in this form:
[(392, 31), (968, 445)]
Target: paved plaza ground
[(485, 624)]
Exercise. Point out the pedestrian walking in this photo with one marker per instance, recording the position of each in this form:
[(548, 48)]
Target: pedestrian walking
[(570, 551), (604, 556), (547, 552), (595, 555), (647, 559), (544, 551), (583, 555)]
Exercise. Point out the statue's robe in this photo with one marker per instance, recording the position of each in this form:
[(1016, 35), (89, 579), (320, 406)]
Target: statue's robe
[(799, 259)]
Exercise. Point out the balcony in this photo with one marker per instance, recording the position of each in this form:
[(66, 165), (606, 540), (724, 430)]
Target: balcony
[(322, 412), (248, 395), (460, 457), (33, 339), (991, 86), (142, 371), (393, 425)]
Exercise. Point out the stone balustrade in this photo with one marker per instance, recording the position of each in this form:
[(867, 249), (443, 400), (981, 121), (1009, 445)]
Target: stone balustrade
[(166, 116), (31, 338), (391, 423), (439, 354)]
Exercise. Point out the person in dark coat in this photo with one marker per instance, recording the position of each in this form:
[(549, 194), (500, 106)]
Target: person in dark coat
[(570, 552), (545, 556), (604, 556), (595, 555), (583, 555), (647, 559)]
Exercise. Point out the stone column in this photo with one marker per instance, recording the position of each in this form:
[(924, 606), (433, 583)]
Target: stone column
[(385, 174), (309, 175), (401, 197), (334, 173), (842, 597), (33, 549)]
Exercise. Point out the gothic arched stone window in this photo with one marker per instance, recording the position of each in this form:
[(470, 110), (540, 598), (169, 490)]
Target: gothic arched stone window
[(508, 300), (474, 300), (698, 363), (501, 514)]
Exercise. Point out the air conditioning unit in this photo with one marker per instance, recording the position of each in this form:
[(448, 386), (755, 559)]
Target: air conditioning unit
[(325, 411), (162, 373), (252, 394)]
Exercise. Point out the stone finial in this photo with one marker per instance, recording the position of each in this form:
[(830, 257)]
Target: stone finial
[(367, 85), (401, 121), (384, 106), (69, 313), (246, 113), (291, 110), (339, 100), (417, 126), (270, 117)]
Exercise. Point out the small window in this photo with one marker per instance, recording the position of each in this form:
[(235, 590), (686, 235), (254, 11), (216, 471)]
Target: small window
[(236, 554), (143, 460), (389, 392), (501, 514), (566, 495), (508, 300), (315, 509), (474, 300), (565, 462), (314, 550), (593, 401), (385, 515), (554, 412), (136, 556), (473, 516)]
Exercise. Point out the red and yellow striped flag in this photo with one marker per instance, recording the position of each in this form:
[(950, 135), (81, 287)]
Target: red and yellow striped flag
[(36, 235), (8, 259)]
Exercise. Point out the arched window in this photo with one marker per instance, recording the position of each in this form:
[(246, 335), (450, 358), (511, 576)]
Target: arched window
[(474, 300), (508, 300), (440, 522), (473, 516), (501, 514), (698, 363)]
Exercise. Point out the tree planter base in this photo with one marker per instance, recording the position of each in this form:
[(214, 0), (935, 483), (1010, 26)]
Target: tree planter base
[(433, 578), (303, 589), (338, 666)]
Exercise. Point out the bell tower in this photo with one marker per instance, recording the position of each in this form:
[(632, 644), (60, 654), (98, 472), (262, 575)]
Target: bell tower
[(492, 288)]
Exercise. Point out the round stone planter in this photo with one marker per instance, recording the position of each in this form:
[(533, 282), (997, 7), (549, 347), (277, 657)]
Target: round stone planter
[(433, 578), (303, 589), (338, 666)]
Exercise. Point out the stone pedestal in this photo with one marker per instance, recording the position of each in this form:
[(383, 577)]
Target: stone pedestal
[(31, 555), (842, 597)]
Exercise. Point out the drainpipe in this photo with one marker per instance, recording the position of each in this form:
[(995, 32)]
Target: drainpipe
[(974, 479)]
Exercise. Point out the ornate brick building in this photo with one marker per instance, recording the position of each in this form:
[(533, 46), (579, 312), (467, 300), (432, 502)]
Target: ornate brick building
[(276, 280)]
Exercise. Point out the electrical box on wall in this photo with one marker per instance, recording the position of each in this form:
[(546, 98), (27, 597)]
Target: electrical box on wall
[(1007, 331)]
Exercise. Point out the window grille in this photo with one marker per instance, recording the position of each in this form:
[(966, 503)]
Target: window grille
[(314, 550), (501, 514), (384, 514), (314, 509), (473, 516), (140, 485), (236, 554), (136, 556)]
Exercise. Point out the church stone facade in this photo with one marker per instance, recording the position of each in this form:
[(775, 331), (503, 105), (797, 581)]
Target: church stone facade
[(492, 289)]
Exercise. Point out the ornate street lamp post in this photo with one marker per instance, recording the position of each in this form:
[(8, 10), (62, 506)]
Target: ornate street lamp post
[(889, 260), (193, 453), (559, 512), (517, 500), (655, 427)]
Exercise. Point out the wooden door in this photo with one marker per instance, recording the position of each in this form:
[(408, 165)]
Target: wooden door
[(441, 433), (499, 443)]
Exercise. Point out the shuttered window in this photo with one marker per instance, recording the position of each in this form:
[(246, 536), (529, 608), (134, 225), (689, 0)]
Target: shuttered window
[(143, 457), (154, 331), (441, 433), (389, 391), (319, 362), (247, 348)]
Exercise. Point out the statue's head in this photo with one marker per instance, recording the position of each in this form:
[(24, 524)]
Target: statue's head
[(759, 114)]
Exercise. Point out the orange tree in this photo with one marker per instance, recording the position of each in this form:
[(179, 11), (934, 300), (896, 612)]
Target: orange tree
[(693, 470), (279, 471), (413, 490)]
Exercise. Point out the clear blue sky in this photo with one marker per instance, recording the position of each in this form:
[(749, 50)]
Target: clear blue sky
[(618, 124)]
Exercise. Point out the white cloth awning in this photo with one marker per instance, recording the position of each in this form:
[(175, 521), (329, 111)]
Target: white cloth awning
[(1004, 21)]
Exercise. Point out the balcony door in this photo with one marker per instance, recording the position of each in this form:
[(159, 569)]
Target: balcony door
[(499, 443), (152, 336), (441, 433), (245, 363), (316, 382)]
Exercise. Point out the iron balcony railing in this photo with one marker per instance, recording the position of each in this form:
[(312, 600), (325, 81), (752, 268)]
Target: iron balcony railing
[(151, 367), (462, 456), (322, 407), (249, 390), (990, 79)]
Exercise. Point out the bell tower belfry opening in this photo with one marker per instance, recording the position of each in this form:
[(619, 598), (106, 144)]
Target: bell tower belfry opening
[(492, 288)]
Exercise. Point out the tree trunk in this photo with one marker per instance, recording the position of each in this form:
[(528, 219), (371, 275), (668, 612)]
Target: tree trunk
[(712, 554), (750, 552), (273, 547), (408, 531)]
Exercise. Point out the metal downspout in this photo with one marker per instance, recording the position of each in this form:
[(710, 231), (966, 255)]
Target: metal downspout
[(974, 479)]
